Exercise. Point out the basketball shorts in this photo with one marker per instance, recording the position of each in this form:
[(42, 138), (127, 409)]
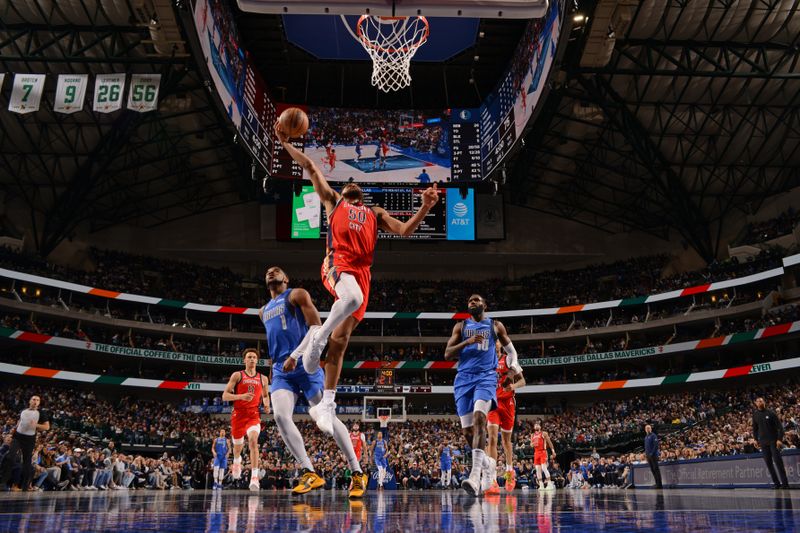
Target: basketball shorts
[(539, 457), (357, 451), (503, 416), (470, 387), (298, 381), (363, 277), (221, 462), (243, 423), (381, 462)]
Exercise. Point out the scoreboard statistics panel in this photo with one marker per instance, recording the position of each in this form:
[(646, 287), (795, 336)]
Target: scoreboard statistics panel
[(402, 203)]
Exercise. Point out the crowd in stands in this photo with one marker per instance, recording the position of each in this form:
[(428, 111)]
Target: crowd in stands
[(82, 450), (783, 224), (118, 271)]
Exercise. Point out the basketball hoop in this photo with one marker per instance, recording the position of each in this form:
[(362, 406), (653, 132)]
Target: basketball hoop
[(384, 420), (391, 42)]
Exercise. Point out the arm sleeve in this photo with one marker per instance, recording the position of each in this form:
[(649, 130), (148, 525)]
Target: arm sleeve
[(511, 356)]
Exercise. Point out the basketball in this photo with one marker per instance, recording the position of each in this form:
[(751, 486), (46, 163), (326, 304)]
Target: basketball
[(294, 122)]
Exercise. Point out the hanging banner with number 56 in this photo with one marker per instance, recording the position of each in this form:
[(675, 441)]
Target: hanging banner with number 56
[(143, 92), (108, 92), (26, 93), (70, 93)]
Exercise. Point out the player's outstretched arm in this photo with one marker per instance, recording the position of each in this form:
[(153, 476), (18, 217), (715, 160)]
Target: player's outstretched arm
[(548, 442), (327, 195), (454, 347), (392, 225), (229, 396)]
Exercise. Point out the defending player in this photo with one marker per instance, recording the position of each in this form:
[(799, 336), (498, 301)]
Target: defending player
[(380, 454), (352, 235), (287, 317), (508, 380), (473, 341), (220, 450), (540, 440), (358, 151), (377, 159), (247, 389)]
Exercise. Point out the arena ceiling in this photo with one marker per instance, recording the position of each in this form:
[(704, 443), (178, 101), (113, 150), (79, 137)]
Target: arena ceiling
[(664, 115), (669, 115)]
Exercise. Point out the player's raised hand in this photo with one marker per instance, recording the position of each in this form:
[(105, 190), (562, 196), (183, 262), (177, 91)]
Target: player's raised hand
[(282, 137), (430, 196), (289, 365)]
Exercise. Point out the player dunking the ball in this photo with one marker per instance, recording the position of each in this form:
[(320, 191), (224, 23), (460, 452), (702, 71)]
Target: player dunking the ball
[(287, 317), (473, 341), (247, 389), (508, 380), (352, 235)]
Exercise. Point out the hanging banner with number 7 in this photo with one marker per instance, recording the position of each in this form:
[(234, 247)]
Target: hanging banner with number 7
[(70, 93), (143, 92), (108, 90), (27, 93)]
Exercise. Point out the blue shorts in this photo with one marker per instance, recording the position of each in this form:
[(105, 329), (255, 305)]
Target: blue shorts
[(221, 462), (469, 387), (298, 381), (381, 462)]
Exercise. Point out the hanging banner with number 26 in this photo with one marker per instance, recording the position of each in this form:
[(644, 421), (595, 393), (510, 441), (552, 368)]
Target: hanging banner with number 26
[(143, 92), (26, 93), (70, 93), (108, 92)]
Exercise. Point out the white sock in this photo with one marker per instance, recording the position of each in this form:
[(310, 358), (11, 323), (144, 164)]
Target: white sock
[(478, 456), (342, 438), (492, 469), (381, 475), (509, 468), (253, 474), (237, 460), (328, 395), (216, 473)]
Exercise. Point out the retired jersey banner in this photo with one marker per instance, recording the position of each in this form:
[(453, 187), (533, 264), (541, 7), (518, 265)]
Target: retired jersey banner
[(108, 90), (143, 92), (26, 93), (70, 93)]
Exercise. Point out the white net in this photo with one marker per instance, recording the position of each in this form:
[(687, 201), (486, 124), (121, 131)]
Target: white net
[(391, 42)]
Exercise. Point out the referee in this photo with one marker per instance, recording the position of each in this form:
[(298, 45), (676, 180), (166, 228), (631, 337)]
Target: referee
[(31, 420), (768, 432)]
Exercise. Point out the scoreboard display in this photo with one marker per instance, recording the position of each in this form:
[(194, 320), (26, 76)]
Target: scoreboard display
[(452, 218)]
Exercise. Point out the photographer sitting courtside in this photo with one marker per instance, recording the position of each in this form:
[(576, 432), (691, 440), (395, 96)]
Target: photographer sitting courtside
[(768, 432)]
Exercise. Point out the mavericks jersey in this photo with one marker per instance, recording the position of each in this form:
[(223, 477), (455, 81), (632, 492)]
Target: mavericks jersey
[(482, 356), (380, 450), (221, 447), (446, 459), (286, 327), (253, 385), (352, 235)]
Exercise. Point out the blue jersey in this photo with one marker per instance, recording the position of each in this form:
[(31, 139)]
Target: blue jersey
[(480, 357), (286, 327), (380, 450), (446, 459), (221, 447)]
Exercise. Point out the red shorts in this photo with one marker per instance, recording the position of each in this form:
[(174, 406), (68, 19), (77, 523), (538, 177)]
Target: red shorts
[(539, 458), (241, 421), (363, 276), (503, 416)]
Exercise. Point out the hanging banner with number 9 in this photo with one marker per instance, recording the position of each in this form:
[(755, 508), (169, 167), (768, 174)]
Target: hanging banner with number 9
[(70, 93), (27, 93), (143, 92), (108, 90)]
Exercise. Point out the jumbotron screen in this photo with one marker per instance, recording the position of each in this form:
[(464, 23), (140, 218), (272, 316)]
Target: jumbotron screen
[(452, 218)]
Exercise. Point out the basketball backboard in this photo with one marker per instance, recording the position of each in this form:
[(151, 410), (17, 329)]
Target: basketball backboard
[(523, 9)]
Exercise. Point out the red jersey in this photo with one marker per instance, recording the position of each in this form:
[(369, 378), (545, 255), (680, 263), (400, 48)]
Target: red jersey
[(352, 235), (537, 441), (250, 384), (355, 438), (502, 375)]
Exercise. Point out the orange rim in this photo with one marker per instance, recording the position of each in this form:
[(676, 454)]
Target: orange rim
[(374, 46)]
